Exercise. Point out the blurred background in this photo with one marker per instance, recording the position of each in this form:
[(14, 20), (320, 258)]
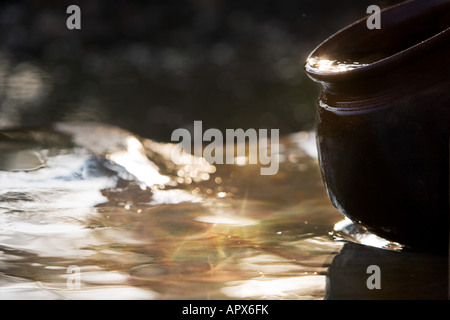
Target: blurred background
[(154, 66)]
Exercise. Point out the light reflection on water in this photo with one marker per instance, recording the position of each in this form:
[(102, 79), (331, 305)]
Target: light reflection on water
[(136, 232), (22, 87), (140, 227)]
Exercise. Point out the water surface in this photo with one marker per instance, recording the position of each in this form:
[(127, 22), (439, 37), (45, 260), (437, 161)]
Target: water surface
[(134, 225)]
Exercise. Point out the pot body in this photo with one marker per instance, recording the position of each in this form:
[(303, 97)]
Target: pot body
[(383, 143)]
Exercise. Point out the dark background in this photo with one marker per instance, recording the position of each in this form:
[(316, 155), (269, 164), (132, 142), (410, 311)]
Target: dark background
[(154, 66)]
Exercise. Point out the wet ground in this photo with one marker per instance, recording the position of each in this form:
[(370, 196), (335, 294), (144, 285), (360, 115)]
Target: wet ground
[(89, 211)]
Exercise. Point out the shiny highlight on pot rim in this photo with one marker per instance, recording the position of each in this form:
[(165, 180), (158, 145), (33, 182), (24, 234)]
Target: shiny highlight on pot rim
[(316, 64), (262, 148)]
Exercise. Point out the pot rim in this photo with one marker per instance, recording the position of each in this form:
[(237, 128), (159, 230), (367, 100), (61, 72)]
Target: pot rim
[(389, 61)]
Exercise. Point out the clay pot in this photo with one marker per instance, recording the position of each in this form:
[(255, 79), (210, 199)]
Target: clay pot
[(383, 122)]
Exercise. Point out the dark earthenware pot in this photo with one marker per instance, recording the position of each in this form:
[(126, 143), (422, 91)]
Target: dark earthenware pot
[(384, 120)]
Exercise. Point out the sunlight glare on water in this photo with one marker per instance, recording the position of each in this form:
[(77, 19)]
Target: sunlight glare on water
[(138, 226)]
